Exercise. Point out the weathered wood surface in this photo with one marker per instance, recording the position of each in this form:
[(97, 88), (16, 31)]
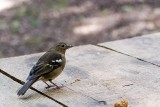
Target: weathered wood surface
[(104, 75), (145, 47), (8, 98), (19, 67)]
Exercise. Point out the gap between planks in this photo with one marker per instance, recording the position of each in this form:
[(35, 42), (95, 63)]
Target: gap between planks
[(22, 82), (98, 101), (127, 55)]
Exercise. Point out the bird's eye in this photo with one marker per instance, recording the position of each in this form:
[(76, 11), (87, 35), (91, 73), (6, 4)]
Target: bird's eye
[(63, 46)]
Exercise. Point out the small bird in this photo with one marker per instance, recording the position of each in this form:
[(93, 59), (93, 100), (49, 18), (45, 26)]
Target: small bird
[(48, 67)]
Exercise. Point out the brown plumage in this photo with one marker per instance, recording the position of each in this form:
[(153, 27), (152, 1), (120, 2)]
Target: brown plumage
[(48, 67)]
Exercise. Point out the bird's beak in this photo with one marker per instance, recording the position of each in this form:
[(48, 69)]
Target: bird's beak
[(69, 46)]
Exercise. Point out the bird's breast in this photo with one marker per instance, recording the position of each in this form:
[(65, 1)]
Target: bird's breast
[(52, 75)]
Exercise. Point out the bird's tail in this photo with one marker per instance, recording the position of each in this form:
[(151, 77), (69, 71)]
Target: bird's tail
[(25, 87)]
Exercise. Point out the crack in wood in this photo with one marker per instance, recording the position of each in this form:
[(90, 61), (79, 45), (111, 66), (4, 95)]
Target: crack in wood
[(22, 82), (98, 101), (127, 55), (127, 85)]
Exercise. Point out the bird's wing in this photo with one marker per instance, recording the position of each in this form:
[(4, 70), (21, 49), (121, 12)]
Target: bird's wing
[(46, 64)]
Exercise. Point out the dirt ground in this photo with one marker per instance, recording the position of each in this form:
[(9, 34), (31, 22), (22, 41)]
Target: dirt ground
[(35, 25)]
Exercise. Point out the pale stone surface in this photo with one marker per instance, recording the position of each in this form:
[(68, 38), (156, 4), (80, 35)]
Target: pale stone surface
[(94, 74), (146, 47)]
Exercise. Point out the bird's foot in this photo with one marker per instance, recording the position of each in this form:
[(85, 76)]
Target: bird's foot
[(50, 86), (54, 84)]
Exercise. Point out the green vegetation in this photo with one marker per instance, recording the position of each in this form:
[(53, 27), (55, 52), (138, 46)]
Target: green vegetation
[(15, 26), (34, 41)]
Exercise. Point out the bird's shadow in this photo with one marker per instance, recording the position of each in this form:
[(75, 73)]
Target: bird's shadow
[(70, 73)]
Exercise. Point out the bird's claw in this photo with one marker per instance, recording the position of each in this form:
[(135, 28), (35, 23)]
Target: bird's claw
[(57, 87), (48, 87)]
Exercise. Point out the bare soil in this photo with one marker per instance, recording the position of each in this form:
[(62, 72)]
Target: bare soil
[(36, 25)]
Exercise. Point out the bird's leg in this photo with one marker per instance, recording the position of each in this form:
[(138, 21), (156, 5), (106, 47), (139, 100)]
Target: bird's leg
[(48, 86), (54, 84)]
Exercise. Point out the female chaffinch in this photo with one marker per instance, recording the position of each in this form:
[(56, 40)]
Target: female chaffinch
[(48, 67)]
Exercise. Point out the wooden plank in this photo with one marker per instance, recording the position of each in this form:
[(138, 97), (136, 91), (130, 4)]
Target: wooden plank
[(19, 67), (104, 75), (145, 47), (10, 99), (107, 75)]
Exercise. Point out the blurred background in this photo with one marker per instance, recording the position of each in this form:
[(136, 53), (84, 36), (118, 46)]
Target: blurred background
[(30, 26)]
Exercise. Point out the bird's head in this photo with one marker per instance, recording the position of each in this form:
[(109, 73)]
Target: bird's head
[(62, 47)]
